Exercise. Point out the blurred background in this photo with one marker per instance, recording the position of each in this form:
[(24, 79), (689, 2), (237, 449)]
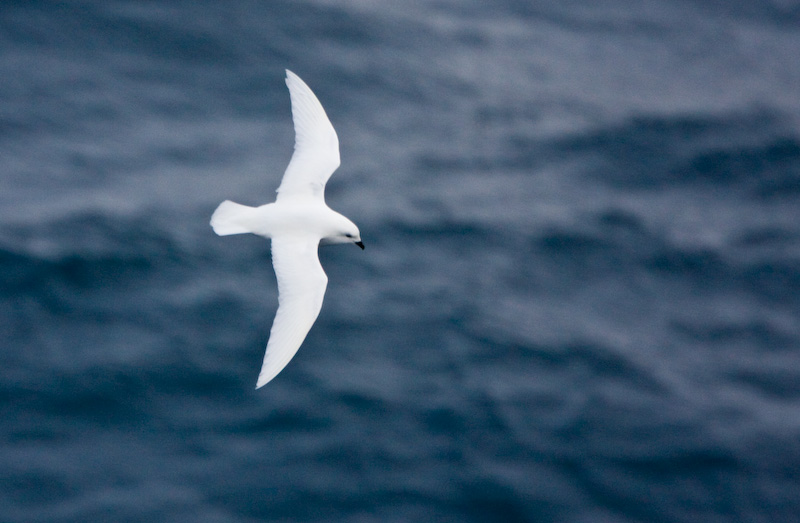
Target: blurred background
[(580, 296)]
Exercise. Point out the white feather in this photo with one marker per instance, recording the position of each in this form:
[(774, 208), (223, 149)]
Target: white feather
[(301, 288), (297, 222), (316, 146), (232, 218)]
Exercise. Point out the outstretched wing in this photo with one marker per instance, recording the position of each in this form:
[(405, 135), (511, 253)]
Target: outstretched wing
[(301, 287), (316, 146)]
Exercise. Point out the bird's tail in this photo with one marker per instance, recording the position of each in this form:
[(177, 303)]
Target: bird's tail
[(231, 218)]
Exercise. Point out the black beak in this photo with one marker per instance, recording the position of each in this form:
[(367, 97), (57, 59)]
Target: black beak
[(360, 244)]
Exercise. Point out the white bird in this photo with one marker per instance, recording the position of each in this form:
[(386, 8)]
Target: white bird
[(297, 223)]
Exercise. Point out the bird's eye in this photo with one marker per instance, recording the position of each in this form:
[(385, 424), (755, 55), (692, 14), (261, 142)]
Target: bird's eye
[(347, 234)]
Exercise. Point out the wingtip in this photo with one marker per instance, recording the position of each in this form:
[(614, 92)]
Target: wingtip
[(290, 79), (266, 377)]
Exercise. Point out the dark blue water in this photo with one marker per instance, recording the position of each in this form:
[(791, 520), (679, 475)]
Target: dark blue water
[(580, 297)]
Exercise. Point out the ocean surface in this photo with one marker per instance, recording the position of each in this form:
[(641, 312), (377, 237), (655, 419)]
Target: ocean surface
[(579, 299)]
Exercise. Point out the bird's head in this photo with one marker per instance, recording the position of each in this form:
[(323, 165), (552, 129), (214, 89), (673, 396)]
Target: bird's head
[(354, 236), (345, 232)]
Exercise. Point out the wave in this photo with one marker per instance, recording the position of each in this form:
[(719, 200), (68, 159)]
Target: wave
[(83, 250), (757, 153)]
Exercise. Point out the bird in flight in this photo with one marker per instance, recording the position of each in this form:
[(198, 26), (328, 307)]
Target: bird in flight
[(297, 223)]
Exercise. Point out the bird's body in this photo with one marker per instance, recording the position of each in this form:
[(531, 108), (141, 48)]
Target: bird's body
[(297, 223), (280, 218)]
